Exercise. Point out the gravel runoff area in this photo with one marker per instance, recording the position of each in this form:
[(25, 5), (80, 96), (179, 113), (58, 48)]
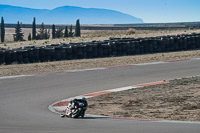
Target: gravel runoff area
[(60, 66), (177, 100)]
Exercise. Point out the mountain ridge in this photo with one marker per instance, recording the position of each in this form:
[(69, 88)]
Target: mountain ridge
[(66, 15)]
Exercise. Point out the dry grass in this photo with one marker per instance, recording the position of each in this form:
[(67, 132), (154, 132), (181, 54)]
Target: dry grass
[(178, 100), (88, 35)]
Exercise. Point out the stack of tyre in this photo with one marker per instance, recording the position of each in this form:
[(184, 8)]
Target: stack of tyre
[(99, 49)]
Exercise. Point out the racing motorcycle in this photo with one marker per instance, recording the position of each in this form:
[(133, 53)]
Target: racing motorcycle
[(74, 110)]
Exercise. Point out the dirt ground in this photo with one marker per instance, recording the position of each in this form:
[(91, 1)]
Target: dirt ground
[(178, 100), (60, 66), (88, 35)]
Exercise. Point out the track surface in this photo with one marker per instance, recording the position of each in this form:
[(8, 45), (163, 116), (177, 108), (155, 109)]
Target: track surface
[(24, 101)]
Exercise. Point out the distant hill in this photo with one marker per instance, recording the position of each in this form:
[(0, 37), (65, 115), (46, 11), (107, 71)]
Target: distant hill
[(66, 15)]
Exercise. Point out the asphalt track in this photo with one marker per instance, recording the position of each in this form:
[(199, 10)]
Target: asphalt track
[(24, 101)]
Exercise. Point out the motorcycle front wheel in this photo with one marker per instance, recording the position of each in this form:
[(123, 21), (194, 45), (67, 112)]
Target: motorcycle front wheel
[(76, 113)]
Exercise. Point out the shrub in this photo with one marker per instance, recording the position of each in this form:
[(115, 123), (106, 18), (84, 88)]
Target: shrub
[(29, 37), (131, 31)]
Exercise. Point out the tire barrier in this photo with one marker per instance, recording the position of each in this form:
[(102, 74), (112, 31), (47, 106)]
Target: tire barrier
[(99, 49)]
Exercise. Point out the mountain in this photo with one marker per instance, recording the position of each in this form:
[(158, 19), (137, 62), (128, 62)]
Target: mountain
[(66, 15)]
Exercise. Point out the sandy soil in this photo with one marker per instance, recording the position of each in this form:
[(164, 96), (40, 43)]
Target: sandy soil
[(178, 100), (87, 35), (60, 66)]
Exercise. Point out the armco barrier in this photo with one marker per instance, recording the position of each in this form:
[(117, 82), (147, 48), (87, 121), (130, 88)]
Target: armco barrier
[(98, 49)]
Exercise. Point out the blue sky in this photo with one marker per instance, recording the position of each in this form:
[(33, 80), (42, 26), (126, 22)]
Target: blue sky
[(149, 10)]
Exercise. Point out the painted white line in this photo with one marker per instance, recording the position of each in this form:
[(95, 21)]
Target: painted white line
[(195, 59), (17, 76), (98, 116), (90, 69), (52, 109), (182, 122), (152, 63), (141, 64), (60, 108), (119, 66), (122, 89)]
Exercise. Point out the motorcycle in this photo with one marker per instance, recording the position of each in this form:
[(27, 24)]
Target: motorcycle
[(74, 110)]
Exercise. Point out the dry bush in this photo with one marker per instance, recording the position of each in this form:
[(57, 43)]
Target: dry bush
[(107, 97), (131, 31), (91, 106), (177, 99), (128, 103), (191, 106)]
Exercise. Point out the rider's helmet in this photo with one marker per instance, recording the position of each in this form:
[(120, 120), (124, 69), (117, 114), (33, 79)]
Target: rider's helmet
[(83, 98)]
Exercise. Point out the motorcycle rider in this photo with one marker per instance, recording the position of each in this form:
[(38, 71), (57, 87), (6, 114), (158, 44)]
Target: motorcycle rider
[(83, 101), (75, 103)]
